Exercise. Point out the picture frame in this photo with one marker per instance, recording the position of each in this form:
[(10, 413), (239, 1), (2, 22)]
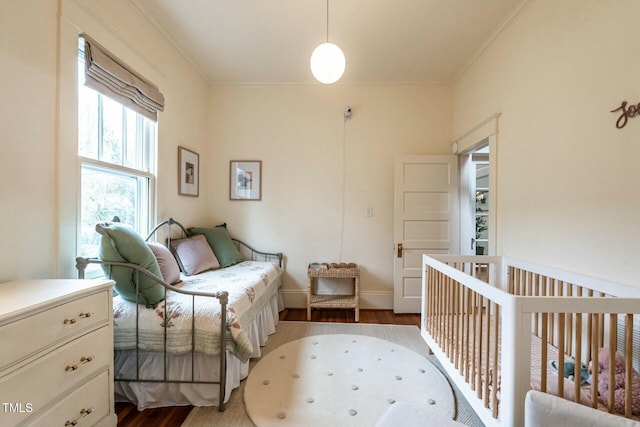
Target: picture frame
[(188, 172), (245, 180)]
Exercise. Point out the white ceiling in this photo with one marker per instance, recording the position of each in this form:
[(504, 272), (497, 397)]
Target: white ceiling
[(270, 41)]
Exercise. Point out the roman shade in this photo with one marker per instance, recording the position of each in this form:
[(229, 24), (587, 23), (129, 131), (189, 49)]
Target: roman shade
[(109, 76)]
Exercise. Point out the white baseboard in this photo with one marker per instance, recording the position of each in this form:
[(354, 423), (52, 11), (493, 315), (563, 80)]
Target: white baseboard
[(296, 298)]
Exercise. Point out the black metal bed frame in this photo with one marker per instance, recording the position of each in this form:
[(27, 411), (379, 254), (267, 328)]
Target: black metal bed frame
[(222, 296)]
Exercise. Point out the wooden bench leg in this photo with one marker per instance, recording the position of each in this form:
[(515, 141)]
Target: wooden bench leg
[(309, 291), (356, 291)]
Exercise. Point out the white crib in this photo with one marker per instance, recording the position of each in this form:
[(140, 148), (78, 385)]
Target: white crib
[(496, 323)]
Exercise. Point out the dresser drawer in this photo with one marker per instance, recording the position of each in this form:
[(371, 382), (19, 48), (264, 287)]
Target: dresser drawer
[(85, 406), (57, 372), (50, 327)]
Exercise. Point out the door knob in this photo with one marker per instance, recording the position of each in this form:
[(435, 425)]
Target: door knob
[(399, 250)]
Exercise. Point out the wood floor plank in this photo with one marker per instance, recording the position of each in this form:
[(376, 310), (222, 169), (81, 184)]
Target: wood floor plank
[(174, 416)]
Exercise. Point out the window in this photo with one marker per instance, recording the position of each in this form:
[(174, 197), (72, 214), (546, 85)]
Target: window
[(116, 147)]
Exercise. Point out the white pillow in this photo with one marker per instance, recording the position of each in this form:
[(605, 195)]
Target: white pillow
[(168, 265)]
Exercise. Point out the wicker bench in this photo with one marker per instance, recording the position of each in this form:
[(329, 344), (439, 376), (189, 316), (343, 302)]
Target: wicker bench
[(334, 271)]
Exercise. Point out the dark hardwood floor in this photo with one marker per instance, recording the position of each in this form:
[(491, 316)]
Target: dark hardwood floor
[(129, 416)]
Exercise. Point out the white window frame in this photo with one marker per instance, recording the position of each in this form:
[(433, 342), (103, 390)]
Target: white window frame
[(147, 163)]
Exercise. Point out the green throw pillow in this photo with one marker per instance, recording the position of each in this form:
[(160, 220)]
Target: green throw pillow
[(221, 243), (121, 243)]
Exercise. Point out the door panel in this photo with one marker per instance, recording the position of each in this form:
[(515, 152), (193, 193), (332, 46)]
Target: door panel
[(433, 230), (425, 176), (412, 287), (425, 221), (420, 202)]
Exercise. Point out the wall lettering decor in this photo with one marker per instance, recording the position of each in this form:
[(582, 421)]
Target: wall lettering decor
[(627, 111)]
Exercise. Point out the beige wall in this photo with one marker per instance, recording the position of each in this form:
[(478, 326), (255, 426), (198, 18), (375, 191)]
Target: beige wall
[(299, 134), (27, 141), (39, 170), (568, 191), (568, 180)]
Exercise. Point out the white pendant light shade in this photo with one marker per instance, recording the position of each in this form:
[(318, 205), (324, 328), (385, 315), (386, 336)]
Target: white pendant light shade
[(327, 63)]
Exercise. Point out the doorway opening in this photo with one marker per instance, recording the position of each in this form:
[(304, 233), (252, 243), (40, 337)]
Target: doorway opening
[(475, 207), (480, 239)]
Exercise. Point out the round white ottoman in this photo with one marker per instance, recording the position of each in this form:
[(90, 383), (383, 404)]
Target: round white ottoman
[(407, 414)]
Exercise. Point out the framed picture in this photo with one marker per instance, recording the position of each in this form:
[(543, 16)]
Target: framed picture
[(245, 177), (188, 172)]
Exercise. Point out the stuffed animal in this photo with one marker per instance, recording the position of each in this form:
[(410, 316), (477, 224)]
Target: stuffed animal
[(570, 370), (619, 386)]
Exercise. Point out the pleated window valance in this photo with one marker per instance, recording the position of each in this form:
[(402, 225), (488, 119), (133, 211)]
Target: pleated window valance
[(109, 76)]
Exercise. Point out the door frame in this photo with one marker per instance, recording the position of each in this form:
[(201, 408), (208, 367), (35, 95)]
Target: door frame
[(483, 133)]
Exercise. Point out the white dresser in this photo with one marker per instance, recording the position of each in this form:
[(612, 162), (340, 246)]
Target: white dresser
[(56, 353)]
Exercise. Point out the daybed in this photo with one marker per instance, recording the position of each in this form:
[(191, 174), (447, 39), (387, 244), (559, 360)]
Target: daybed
[(168, 327), (502, 326)]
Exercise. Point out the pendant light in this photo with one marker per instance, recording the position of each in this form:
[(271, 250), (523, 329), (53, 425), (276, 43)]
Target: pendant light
[(327, 60)]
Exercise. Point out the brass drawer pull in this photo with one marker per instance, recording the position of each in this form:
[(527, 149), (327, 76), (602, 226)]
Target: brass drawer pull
[(83, 413), (83, 360), (81, 316), (87, 359)]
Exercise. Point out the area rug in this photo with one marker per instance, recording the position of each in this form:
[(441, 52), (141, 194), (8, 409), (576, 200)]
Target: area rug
[(235, 414), (342, 380)]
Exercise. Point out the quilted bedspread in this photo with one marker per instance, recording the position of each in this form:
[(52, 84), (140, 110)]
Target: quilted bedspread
[(250, 285)]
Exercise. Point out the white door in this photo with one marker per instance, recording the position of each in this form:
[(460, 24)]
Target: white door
[(426, 221)]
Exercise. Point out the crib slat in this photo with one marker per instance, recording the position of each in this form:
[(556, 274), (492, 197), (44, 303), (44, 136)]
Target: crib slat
[(433, 280), (439, 307), (594, 352), (512, 274), (447, 316), (487, 359), (600, 328), (561, 354), (628, 325), (456, 325), (452, 319), (590, 329), (474, 309), (570, 321), (552, 329), (611, 390), (463, 330), (535, 315), (578, 338), (467, 328), (479, 319), (521, 279), (496, 374), (612, 372), (543, 351)]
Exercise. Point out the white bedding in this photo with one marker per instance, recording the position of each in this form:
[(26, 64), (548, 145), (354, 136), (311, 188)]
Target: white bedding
[(250, 285), (179, 367)]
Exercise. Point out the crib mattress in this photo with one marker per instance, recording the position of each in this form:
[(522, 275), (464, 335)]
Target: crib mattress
[(552, 375)]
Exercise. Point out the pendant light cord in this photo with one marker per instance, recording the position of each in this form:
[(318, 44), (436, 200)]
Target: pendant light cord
[(327, 21), (344, 185)]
